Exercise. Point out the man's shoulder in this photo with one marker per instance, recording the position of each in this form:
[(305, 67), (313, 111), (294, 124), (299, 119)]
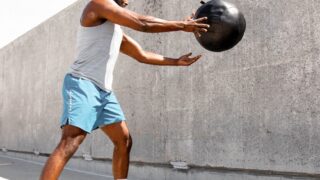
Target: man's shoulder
[(91, 12)]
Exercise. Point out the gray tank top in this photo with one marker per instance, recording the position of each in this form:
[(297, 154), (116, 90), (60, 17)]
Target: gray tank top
[(97, 51)]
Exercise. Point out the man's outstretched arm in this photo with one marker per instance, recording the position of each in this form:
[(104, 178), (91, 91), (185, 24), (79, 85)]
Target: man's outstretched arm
[(108, 9), (131, 48)]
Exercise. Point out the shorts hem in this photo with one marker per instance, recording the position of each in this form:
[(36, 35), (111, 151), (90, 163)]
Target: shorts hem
[(113, 122), (69, 121)]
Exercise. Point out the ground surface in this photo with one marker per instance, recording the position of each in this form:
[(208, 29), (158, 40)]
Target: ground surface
[(19, 169)]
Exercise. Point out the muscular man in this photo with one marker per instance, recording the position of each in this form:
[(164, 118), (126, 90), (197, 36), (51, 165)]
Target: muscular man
[(89, 102)]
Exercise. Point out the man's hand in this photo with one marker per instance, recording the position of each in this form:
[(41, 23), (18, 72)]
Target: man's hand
[(186, 60), (196, 25), (197, 31)]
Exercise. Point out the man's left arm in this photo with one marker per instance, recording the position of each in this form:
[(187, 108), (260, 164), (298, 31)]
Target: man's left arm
[(131, 48)]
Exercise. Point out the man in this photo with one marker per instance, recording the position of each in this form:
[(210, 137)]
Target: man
[(89, 102)]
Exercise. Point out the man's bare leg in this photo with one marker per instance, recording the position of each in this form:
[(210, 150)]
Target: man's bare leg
[(119, 135), (71, 138)]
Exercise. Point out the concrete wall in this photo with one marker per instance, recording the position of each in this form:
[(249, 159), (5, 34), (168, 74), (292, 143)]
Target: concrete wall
[(253, 107)]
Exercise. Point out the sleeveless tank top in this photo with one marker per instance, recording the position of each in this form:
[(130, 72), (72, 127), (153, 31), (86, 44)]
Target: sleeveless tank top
[(97, 51)]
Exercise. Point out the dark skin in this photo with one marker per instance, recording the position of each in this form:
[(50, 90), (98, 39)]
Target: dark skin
[(95, 13)]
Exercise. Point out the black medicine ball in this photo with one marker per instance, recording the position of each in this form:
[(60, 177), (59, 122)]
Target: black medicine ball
[(227, 25)]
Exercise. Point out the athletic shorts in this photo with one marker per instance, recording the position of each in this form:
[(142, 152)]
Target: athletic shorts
[(88, 107)]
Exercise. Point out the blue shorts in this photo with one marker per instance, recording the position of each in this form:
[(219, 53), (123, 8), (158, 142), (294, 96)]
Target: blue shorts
[(88, 107)]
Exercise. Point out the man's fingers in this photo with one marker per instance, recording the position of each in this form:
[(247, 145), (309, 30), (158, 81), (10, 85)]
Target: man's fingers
[(194, 59), (193, 14), (191, 17), (200, 23), (201, 19), (188, 55), (202, 30), (186, 60), (203, 26), (198, 34), (199, 31)]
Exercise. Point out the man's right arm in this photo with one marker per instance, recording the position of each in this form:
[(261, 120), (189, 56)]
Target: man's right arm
[(109, 10)]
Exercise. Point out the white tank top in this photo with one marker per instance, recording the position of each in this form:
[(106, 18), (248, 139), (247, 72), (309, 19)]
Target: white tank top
[(97, 51)]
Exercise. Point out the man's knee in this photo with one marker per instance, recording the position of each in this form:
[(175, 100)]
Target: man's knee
[(68, 147), (124, 144)]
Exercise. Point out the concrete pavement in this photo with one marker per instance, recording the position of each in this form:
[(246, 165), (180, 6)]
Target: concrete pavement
[(19, 169)]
